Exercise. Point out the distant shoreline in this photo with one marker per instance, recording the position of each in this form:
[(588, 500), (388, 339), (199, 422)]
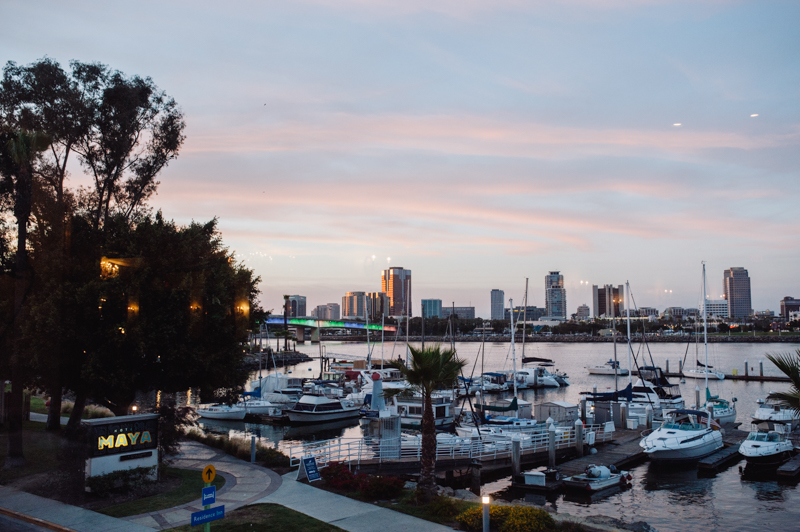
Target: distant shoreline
[(566, 338)]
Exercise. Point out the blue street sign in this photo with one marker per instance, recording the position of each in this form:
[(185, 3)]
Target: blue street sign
[(310, 465), (206, 516), (209, 495)]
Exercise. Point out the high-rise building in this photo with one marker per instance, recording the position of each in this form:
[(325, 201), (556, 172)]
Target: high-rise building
[(326, 312), (583, 312), (333, 311), (497, 304), (377, 305), (789, 304), (736, 287), (716, 308), (463, 313), (431, 308), (555, 295), (396, 283), (353, 304), (608, 301), (297, 306)]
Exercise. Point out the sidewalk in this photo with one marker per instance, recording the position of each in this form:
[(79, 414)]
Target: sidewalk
[(245, 483), (42, 418), (64, 515), (346, 513)]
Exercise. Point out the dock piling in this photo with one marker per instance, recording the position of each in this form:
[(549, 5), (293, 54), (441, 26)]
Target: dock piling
[(746, 369), (649, 411), (516, 456), (583, 409), (761, 367), (697, 397), (475, 485), (623, 416), (667, 365), (579, 438), (680, 367), (252, 449), (551, 447)]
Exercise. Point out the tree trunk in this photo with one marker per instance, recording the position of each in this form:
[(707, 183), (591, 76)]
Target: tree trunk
[(427, 479), (54, 410), (77, 413)]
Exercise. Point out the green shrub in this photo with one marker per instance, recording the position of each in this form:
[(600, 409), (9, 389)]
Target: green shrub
[(124, 481), (444, 507), (240, 448), (96, 411), (508, 519)]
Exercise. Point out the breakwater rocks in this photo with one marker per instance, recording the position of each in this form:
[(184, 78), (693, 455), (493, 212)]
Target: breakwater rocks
[(569, 338), (288, 358)]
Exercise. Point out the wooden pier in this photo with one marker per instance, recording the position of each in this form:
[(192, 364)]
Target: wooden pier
[(739, 377), (791, 468), (621, 452), (720, 459)]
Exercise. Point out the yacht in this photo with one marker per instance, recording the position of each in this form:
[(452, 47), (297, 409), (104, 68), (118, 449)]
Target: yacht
[(222, 412), (410, 409), (494, 382), (724, 411), (537, 377), (654, 389), (772, 411), (684, 436), (767, 448), (317, 408), (609, 368), (259, 407)]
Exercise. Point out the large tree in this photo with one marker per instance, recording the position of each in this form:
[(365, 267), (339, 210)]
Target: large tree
[(430, 369)]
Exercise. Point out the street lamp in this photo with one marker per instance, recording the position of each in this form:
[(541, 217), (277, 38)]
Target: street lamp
[(485, 500)]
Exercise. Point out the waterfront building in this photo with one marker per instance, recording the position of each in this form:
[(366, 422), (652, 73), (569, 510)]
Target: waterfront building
[(583, 312), (463, 313), (353, 304), (377, 305), (789, 304), (645, 312), (609, 301), (555, 296), (326, 312), (396, 283), (498, 304), (334, 311), (530, 313), (674, 312), (716, 308), (297, 306), (431, 308), (736, 287), (794, 315), (765, 314)]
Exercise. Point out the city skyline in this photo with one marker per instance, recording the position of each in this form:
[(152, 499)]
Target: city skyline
[(476, 144)]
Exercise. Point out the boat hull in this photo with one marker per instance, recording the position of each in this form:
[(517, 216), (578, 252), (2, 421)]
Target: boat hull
[(622, 372), (686, 454), (236, 415), (700, 375), (583, 483), (304, 417)]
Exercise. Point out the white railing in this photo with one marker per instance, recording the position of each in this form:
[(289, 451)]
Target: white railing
[(357, 450)]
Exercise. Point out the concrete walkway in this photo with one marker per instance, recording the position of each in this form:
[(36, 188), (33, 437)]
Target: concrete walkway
[(42, 418), (65, 516), (245, 483), (346, 513)]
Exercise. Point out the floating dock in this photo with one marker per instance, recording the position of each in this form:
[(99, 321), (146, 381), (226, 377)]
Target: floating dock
[(621, 452), (720, 459), (791, 468)]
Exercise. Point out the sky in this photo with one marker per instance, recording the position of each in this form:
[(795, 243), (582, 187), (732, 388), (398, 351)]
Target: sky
[(476, 143)]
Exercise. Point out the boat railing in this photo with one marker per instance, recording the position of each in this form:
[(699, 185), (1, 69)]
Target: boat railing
[(355, 451)]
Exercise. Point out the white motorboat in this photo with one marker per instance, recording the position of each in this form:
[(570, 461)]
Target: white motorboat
[(222, 412), (316, 408), (703, 373), (596, 478), (609, 368), (723, 411), (494, 382), (684, 436), (537, 377), (772, 448), (410, 409), (260, 408), (654, 389), (772, 411)]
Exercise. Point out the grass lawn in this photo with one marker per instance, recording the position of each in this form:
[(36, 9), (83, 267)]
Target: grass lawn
[(189, 490), (442, 511), (273, 517), (41, 452), (38, 406)]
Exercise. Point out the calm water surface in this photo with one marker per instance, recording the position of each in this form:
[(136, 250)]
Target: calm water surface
[(671, 499)]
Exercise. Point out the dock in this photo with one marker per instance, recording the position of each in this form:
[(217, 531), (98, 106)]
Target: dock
[(791, 468), (621, 452), (720, 459)]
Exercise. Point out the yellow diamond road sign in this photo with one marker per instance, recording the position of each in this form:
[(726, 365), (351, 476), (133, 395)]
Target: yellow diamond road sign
[(209, 473)]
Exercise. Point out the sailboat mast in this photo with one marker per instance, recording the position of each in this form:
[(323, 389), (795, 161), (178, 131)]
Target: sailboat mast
[(524, 318), (383, 314), (369, 351), (513, 349), (628, 311), (614, 334), (705, 325)]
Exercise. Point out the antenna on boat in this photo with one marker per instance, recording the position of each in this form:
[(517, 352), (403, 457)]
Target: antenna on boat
[(628, 311), (513, 352)]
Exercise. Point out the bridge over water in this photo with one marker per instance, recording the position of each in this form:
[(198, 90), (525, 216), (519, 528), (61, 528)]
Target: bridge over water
[(301, 324)]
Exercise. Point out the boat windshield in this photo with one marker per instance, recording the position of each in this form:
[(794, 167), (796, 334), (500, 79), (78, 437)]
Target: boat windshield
[(761, 436), (683, 426)]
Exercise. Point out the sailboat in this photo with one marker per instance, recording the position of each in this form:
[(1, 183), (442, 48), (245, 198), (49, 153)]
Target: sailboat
[(722, 410)]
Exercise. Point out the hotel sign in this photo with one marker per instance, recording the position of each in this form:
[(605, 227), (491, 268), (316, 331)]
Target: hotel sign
[(123, 435)]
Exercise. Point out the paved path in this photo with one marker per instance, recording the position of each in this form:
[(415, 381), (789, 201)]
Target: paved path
[(64, 515), (245, 484), (42, 418), (346, 513)]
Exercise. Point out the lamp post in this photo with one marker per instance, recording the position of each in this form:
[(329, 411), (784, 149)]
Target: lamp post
[(485, 501)]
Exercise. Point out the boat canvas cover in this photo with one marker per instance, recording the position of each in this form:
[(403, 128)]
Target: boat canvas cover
[(655, 375), (512, 406), (626, 394)]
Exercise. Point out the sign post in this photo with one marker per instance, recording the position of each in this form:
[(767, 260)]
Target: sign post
[(209, 497)]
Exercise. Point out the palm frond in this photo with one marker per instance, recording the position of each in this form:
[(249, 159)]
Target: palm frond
[(789, 364)]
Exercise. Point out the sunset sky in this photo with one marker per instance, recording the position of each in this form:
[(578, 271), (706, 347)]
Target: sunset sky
[(475, 143)]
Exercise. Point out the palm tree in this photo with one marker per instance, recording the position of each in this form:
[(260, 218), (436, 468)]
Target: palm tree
[(789, 364), (431, 369)]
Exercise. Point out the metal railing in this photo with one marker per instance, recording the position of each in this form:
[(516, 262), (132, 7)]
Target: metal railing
[(356, 451)]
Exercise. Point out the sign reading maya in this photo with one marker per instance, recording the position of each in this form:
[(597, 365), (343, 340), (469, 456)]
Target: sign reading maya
[(124, 437)]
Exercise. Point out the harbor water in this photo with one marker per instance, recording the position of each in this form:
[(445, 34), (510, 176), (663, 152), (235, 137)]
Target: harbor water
[(667, 498)]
